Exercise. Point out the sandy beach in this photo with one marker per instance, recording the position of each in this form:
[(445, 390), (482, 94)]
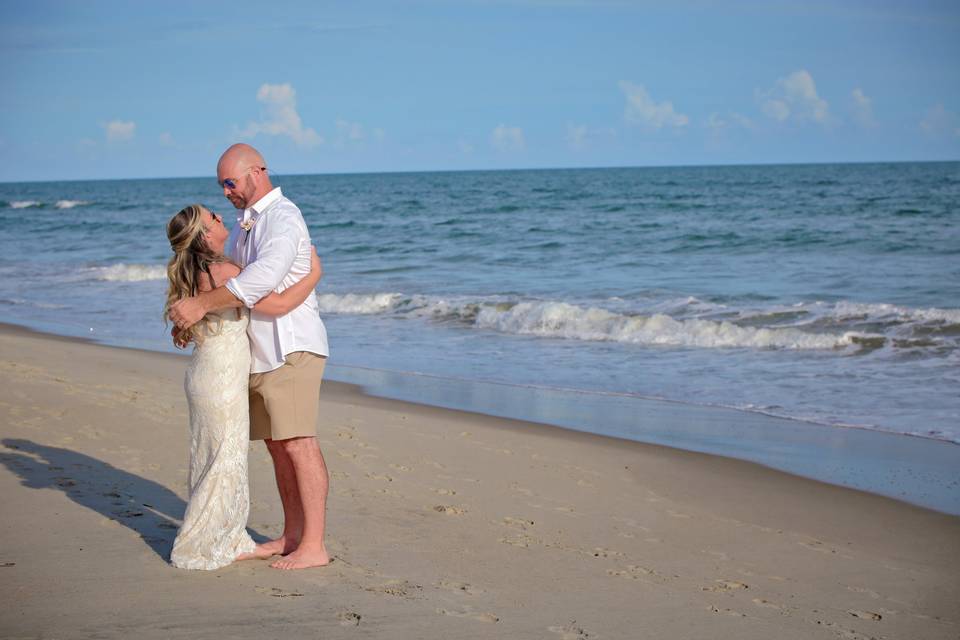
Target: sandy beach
[(443, 524)]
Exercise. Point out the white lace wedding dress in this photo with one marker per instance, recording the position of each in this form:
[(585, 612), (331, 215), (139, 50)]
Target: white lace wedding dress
[(214, 527)]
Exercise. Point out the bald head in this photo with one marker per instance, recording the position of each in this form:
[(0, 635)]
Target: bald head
[(243, 167), (238, 157)]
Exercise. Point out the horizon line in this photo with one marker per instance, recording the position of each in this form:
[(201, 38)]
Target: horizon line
[(509, 169)]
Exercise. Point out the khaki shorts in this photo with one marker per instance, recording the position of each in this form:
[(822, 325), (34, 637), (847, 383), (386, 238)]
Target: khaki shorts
[(283, 402)]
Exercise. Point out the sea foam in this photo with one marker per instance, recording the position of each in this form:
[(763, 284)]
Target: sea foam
[(70, 204), (552, 319), (128, 272)]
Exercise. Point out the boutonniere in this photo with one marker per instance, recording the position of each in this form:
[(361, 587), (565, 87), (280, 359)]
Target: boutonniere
[(247, 224)]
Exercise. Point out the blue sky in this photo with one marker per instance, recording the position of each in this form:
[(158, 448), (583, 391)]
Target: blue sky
[(136, 89)]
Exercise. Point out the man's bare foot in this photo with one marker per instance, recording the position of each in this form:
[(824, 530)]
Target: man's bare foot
[(303, 559)]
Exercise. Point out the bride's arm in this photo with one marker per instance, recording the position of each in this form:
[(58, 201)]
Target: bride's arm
[(277, 304)]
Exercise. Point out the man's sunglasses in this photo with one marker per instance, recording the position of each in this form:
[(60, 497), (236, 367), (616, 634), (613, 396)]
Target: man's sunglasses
[(231, 183)]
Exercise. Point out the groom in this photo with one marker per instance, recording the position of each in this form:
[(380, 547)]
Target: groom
[(272, 245)]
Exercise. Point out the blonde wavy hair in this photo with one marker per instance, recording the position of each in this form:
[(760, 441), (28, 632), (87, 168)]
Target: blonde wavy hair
[(191, 257)]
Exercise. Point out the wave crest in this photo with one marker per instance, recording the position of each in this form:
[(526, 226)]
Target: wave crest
[(562, 320), (70, 204), (129, 272), (25, 204), (550, 319)]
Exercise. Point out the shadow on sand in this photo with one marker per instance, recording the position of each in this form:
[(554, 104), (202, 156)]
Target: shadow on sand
[(150, 509)]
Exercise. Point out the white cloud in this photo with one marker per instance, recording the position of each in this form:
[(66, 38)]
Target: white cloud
[(863, 108), (938, 121), (718, 123), (794, 96), (506, 138), (119, 130), (581, 136), (282, 119), (776, 109), (643, 110)]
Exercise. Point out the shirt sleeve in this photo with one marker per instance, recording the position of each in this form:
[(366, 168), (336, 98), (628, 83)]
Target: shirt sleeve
[(274, 259)]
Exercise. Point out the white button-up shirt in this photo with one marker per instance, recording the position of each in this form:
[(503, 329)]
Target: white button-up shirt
[(275, 253)]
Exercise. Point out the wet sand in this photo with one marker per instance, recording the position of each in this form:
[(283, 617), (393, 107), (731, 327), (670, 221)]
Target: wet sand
[(443, 524)]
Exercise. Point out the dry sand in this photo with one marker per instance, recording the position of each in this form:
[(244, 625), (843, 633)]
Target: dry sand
[(443, 525)]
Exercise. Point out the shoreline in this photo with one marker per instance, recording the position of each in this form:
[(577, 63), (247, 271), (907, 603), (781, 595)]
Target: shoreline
[(914, 469), (442, 524)]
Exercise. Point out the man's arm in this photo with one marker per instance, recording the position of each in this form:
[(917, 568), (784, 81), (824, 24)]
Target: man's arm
[(277, 304), (188, 311), (275, 257)]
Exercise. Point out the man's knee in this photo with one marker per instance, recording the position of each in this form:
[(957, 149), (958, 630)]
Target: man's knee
[(297, 447)]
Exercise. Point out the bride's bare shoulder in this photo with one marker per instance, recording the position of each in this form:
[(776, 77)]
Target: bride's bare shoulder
[(221, 272)]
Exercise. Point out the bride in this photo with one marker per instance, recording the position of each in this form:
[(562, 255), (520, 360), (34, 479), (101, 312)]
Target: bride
[(214, 532)]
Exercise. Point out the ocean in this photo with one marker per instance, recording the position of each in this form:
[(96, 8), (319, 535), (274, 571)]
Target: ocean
[(828, 295)]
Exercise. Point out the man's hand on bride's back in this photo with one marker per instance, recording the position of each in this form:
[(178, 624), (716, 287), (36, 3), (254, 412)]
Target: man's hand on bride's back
[(187, 312)]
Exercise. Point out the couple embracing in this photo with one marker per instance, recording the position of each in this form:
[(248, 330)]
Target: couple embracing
[(245, 299)]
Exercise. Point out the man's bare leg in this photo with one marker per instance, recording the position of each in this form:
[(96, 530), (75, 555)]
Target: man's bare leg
[(285, 474), (313, 483)]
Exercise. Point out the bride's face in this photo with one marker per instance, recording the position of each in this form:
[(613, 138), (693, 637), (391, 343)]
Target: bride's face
[(216, 232)]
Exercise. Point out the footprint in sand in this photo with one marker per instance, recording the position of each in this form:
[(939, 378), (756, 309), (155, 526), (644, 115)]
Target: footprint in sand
[(444, 492), (865, 615), (449, 510), (571, 631), (348, 618), (400, 588), (469, 613), (520, 523), (726, 585), (401, 467)]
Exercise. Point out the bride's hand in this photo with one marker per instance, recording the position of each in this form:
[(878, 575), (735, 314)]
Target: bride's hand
[(178, 341)]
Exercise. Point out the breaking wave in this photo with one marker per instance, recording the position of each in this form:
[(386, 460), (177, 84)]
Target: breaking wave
[(70, 204), (128, 272), (552, 319), (25, 204), (59, 204)]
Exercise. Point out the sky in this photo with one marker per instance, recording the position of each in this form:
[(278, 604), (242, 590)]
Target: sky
[(99, 90)]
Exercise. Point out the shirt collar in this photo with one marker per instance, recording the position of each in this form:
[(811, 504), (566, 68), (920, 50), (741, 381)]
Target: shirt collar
[(255, 210)]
